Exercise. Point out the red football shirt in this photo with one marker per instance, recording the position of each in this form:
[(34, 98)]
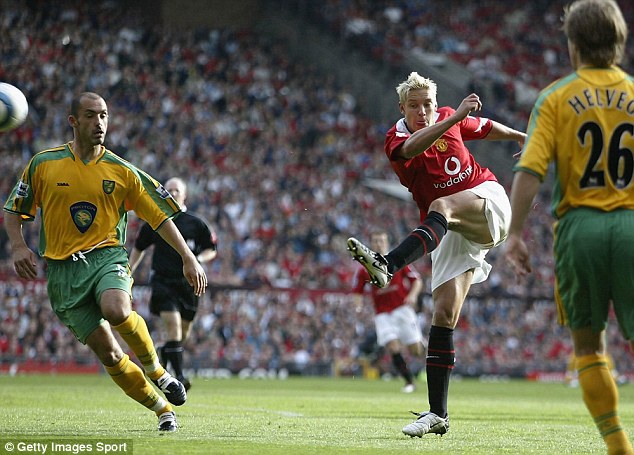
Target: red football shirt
[(446, 167), (391, 296)]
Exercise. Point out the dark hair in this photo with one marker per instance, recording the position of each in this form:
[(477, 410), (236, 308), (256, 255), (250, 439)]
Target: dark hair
[(75, 105)]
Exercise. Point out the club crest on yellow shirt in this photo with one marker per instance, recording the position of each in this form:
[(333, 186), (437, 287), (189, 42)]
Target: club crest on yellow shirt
[(108, 186), (83, 214)]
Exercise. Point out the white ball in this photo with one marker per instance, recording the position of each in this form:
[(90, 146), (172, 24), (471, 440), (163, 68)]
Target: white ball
[(13, 107)]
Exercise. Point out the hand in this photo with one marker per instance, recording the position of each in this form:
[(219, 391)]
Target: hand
[(24, 263), (195, 275), (516, 254), (469, 104), (521, 144)]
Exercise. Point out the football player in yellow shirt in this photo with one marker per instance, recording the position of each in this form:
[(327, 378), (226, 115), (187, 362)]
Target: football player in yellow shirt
[(83, 192), (584, 123)]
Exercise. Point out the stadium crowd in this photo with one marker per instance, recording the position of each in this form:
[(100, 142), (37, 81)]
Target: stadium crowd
[(274, 154), (516, 49)]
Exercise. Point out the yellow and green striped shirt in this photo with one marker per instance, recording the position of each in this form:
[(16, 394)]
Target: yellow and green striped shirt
[(85, 204), (584, 123)]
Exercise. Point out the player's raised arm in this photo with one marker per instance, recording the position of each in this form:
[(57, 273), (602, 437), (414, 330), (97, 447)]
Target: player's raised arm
[(500, 132)]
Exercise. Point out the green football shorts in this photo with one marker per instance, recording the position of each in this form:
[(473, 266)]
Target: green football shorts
[(594, 267), (75, 287)]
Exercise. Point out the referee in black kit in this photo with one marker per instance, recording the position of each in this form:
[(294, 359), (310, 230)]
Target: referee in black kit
[(172, 297)]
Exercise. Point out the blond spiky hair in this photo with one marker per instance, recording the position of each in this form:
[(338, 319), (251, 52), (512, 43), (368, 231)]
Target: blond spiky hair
[(415, 82)]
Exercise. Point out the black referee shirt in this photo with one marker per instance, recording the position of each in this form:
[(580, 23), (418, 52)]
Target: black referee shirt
[(166, 262)]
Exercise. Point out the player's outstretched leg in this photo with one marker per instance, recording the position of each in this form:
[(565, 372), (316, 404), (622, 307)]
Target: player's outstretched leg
[(374, 263), (427, 422)]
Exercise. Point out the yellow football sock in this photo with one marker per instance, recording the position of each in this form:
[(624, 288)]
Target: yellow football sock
[(601, 397), (135, 333), (127, 375)]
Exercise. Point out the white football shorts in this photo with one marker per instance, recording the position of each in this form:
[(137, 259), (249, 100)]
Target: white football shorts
[(399, 324), (455, 254)]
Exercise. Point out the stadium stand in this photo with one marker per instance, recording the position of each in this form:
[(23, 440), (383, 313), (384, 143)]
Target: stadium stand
[(274, 153)]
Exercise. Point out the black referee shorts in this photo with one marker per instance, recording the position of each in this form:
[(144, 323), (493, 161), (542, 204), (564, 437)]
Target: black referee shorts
[(169, 294)]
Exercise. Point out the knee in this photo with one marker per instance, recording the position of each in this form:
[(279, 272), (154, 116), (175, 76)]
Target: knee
[(393, 347), (445, 316), (115, 307), (417, 349), (115, 315), (173, 329), (111, 357), (441, 205)]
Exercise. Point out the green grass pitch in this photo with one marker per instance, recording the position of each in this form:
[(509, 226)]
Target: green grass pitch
[(306, 416)]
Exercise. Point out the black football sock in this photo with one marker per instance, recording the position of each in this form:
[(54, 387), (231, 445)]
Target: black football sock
[(174, 353), (401, 367), (162, 357), (421, 241), (440, 361)]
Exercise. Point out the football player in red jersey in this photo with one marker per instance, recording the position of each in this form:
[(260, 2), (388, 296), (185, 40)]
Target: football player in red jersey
[(460, 203), (395, 320)]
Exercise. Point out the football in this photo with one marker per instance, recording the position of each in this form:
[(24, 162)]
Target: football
[(13, 107)]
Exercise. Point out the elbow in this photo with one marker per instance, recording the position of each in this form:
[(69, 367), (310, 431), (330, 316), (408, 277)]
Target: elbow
[(406, 152)]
